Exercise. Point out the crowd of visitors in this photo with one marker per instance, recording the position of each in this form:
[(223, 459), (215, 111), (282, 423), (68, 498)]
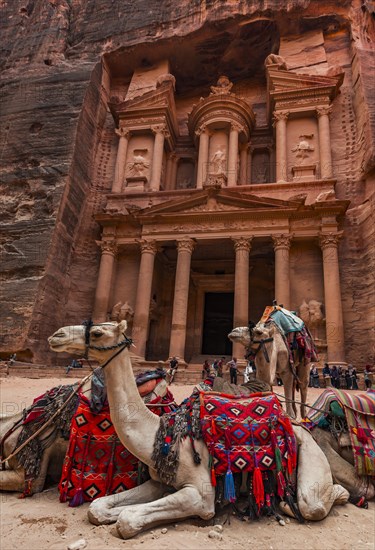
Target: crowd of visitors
[(217, 368), (339, 377)]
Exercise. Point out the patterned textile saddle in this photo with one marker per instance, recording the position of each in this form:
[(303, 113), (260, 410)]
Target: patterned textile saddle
[(96, 463), (243, 434), (357, 415)]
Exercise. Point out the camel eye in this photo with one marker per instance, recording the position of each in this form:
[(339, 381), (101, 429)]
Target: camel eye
[(97, 333)]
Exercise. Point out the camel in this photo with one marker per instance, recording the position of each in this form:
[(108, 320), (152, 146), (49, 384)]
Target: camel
[(191, 494), (272, 358), (13, 478)]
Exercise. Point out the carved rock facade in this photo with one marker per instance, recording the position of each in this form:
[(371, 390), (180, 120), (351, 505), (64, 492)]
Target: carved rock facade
[(174, 172)]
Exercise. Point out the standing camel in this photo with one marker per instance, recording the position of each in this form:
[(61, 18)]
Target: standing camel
[(191, 494), (272, 358)]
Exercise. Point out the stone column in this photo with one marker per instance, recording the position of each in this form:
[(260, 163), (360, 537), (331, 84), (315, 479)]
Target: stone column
[(243, 164), (157, 157), (241, 289), (103, 285), (204, 140), (123, 134), (282, 275), (324, 141), (174, 171), (168, 172), (143, 297), (332, 297), (280, 118), (233, 154), (180, 302), (249, 163)]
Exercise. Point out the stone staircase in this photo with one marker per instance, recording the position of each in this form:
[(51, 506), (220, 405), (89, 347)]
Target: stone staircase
[(191, 374)]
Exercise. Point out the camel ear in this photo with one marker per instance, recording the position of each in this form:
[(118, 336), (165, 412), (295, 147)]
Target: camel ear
[(122, 326)]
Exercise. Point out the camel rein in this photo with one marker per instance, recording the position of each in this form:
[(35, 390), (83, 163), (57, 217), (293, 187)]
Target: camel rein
[(126, 343)]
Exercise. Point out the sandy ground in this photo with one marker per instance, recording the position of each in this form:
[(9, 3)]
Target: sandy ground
[(42, 522)]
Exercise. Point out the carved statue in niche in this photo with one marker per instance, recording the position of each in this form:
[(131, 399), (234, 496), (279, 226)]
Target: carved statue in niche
[(223, 86), (312, 314), (303, 148), (138, 167), (122, 312), (218, 162)]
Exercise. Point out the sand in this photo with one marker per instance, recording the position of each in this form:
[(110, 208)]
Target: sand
[(42, 522)]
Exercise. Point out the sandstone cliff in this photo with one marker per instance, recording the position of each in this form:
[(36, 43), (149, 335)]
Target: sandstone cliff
[(58, 146)]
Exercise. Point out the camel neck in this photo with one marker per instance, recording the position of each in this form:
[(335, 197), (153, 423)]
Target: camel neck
[(135, 425)]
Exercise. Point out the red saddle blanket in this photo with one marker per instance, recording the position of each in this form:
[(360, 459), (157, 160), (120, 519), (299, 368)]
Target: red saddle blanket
[(245, 433), (96, 463)]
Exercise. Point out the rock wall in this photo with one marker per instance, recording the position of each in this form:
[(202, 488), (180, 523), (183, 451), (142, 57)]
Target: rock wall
[(58, 145)]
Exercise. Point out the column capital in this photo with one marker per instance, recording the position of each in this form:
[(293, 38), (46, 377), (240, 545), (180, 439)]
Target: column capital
[(242, 243), (160, 129), (203, 129), (324, 110), (281, 242), (280, 115), (329, 240), (186, 245), (122, 132), (108, 247), (148, 246), (236, 126)]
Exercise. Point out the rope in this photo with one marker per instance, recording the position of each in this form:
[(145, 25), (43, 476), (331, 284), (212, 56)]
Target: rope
[(48, 422), (286, 399)]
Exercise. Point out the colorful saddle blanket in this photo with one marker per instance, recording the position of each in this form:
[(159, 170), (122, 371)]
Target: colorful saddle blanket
[(360, 417), (245, 433), (96, 463)]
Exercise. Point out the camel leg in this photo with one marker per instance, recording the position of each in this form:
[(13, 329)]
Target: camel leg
[(107, 509), (343, 472), (12, 480), (316, 492), (182, 504), (303, 394), (288, 382)]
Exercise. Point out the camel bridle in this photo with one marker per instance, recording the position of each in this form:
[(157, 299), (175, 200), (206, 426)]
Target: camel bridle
[(120, 346), (261, 343)]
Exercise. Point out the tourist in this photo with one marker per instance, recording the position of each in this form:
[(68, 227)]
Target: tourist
[(314, 375), (335, 377), (220, 365), (205, 369), (353, 376), (233, 370), (326, 374), (215, 366), (367, 379), (348, 380), (173, 366), (249, 372)]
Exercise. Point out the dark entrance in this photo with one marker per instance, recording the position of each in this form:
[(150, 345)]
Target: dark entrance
[(218, 323)]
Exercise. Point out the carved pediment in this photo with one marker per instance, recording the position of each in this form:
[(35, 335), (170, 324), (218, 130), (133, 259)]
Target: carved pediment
[(220, 201)]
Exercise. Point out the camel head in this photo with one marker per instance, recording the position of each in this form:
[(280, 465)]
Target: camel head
[(240, 335), (72, 339)]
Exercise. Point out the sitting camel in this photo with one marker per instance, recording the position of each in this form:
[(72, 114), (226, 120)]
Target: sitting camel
[(53, 445), (191, 493), (272, 358)]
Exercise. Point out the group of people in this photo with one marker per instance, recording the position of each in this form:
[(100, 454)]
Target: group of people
[(216, 368), (340, 377)]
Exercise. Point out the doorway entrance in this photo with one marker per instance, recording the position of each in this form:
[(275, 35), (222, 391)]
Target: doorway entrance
[(217, 323)]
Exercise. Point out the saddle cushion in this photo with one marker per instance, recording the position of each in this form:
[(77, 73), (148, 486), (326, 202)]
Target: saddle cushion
[(148, 387), (243, 433)]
